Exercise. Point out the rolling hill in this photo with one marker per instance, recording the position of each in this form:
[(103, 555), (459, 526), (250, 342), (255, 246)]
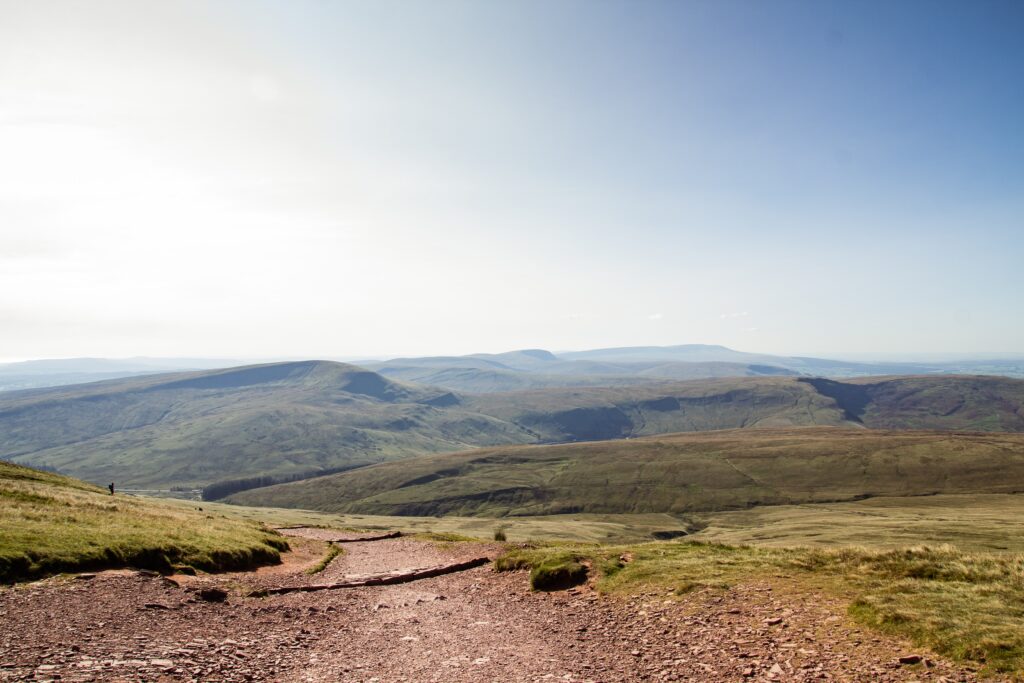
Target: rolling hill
[(638, 365), (676, 473), (314, 417)]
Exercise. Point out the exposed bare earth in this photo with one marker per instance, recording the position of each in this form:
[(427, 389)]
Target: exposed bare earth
[(476, 625)]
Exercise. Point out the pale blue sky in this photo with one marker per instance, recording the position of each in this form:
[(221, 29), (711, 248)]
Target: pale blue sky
[(329, 179)]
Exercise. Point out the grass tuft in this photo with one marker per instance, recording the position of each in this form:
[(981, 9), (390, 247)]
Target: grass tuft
[(557, 575), (551, 567)]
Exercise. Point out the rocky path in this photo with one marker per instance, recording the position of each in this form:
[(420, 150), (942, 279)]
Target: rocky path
[(476, 625)]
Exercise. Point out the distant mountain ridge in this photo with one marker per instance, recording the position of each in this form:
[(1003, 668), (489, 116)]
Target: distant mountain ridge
[(288, 419), (636, 365)]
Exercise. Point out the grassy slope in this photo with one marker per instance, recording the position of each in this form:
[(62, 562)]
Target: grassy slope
[(607, 413), (932, 402), (53, 524), (671, 473)]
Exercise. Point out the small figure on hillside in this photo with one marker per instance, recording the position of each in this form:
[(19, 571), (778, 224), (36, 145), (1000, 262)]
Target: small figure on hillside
[(111, 487)]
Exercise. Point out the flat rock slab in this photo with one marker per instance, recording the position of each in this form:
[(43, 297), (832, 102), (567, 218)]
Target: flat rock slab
[(378, 580), (326, 535)]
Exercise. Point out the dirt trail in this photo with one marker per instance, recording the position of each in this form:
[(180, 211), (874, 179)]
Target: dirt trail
[(476, 625)]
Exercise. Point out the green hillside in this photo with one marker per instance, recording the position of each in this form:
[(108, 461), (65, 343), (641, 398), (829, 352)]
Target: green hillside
[(561, 415), (930, 402), (674, 473), (55, 524), (965, 402), (297, 419)]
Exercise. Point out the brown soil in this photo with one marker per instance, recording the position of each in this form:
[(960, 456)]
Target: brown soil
[(476, 625)]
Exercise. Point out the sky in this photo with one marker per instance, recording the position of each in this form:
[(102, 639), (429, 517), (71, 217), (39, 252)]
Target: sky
[(363, 179)]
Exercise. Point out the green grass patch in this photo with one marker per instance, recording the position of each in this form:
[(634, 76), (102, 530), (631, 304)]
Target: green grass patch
[(53, 524), (333, 551)]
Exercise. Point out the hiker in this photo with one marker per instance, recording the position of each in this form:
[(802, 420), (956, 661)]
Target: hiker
[(111, 487)]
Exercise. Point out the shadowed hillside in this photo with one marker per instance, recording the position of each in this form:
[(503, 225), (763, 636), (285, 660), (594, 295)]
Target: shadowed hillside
[(940, 402), (559, 415), (671, 473)]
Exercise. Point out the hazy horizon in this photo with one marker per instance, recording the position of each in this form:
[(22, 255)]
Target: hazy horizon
[(881, 357), (370, 180)]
